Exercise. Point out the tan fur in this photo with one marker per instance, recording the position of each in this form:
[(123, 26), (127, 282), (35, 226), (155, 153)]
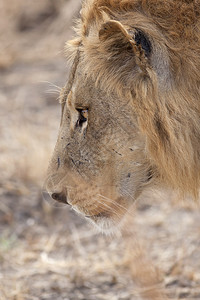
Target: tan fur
[(159, 96)]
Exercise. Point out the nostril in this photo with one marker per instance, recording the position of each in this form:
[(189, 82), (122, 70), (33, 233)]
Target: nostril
[(54, 196), (60, 197)]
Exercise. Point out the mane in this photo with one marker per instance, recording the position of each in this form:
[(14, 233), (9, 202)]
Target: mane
[(168, 113), (168, 14)]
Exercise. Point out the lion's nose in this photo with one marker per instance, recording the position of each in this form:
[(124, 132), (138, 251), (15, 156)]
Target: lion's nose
[(60, 197)]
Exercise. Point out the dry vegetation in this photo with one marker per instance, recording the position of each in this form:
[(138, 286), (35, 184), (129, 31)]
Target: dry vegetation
[(46, 252)]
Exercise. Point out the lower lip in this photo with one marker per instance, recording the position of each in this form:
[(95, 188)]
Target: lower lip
[(90, 217), (101, 215)]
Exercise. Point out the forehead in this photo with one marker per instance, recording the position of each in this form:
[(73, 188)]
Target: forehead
[(86, 92), (82, 89)]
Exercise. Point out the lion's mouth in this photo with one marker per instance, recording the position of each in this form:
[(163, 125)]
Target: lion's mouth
[(62, 198), (99, 215)]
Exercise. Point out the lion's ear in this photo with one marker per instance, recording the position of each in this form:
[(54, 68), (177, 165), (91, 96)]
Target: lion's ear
[(119, 38), (111, 28), (143, 41)]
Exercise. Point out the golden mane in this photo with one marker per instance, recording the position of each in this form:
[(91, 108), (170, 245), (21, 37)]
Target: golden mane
[(176, 17), (168, 109)]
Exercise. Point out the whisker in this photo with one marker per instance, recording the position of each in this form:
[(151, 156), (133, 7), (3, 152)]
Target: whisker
[(110, 208), (54, 89), (135, 200), (53, 92), (117, 205), (113, 202), (53, 85)]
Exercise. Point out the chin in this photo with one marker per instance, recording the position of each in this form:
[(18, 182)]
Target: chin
[(107, 222), (102, 223), (105, 225)]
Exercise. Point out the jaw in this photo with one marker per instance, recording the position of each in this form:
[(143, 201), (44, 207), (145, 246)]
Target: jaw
[(108, 222), (105, 225), (106, 206)]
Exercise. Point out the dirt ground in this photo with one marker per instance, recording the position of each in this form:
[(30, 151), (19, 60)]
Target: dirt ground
[(46, 251)]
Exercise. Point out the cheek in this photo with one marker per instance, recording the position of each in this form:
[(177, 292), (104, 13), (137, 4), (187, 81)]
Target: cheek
[(131, 180), (128, 187), (93, 203)]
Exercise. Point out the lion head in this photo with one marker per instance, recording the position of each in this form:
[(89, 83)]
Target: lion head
[(131, 108)]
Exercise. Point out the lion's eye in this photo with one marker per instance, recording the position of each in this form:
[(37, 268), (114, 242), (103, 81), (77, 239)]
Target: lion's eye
[(83, 117)]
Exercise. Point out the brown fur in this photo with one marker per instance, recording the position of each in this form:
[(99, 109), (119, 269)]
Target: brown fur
[(171, 121), (159, 97)]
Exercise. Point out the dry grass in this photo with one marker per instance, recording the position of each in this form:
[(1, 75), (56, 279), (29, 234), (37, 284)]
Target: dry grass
[(47, 252)]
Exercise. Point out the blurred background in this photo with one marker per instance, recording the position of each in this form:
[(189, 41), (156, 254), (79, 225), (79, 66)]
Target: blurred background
[(46, 251)]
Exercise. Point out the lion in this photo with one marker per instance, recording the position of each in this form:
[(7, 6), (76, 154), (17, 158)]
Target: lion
[(131, 108)]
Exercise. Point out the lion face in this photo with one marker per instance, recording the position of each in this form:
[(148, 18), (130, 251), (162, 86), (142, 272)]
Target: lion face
[(130, 110), (99, 165)]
